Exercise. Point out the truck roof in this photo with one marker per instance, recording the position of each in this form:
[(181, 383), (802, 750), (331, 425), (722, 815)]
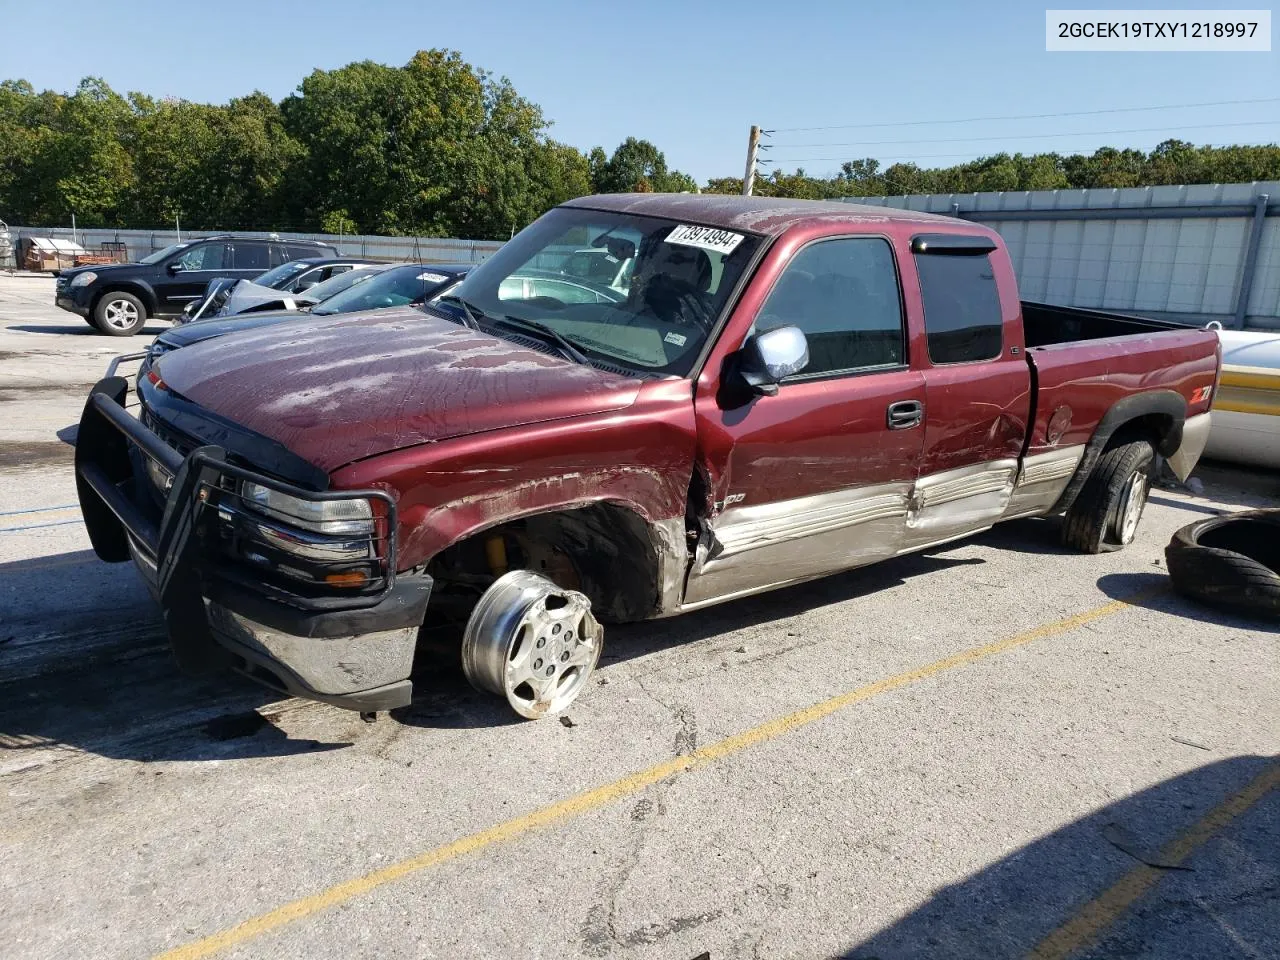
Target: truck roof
[(770, 216)]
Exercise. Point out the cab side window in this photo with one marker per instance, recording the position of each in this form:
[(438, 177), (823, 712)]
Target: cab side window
[(843, 294)]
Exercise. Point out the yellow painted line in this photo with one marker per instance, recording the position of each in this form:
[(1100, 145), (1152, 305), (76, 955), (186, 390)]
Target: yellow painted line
[(1095, 917), (608, 793)]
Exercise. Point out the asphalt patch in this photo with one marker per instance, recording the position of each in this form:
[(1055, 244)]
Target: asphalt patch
[(36, 453)]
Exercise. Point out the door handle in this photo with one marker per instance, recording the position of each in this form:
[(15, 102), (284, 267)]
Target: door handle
[(905, 414)]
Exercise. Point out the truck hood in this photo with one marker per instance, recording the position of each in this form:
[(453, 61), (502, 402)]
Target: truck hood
[(337, 389)]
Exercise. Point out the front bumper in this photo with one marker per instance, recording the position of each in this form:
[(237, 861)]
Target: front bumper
[(352, 650), (68, 299)]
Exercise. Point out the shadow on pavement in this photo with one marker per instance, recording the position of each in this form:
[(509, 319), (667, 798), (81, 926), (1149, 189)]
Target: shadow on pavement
[(149, 330), (1220, 900), (442, 697), (85, 664), (1127, 586)]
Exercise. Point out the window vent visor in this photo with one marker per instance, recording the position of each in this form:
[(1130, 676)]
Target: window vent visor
[(952, 244)]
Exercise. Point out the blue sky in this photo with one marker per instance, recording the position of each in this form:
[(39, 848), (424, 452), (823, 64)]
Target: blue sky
[(690, 76)]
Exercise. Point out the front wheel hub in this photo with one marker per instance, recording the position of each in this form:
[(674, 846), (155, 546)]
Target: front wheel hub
[(532, 642)]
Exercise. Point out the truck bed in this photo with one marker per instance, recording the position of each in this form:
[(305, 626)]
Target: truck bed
[(1083, 362), (1047, 324)]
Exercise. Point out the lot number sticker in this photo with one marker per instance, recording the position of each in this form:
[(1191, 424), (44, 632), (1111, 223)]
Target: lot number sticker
[(705, 238)]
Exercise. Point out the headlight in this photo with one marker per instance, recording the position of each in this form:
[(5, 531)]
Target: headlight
[(341, 517), (83, 279)]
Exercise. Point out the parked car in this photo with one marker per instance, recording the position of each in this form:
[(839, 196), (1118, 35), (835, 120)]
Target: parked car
[(334, 296), (1246, 423), (226, 297), (297, 276), (293, 277), (790, 389), (118, 299)]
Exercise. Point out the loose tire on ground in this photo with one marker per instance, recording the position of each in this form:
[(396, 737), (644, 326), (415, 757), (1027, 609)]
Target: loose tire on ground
[(119, 314), (1230, 562), (1106, 513)]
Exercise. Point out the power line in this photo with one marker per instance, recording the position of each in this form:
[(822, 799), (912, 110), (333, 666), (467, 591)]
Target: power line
[(909, 157), (1026, 116), (1037, 136)]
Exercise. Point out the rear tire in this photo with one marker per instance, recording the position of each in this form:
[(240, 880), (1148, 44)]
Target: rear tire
[(119, 314), (1105, 515)]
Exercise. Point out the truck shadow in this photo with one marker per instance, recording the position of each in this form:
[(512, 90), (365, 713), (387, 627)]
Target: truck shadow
[(1222, 900), (85, 667), (443, 699)]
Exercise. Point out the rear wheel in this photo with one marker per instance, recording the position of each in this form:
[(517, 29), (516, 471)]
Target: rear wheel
[(1105, 515), (119, 314)]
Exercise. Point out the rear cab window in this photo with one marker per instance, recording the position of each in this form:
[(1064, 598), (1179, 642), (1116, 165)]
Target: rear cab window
[(962, 316)]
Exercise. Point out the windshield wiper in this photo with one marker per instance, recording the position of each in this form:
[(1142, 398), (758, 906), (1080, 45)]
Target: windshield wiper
[(547, 333), (468, 311)]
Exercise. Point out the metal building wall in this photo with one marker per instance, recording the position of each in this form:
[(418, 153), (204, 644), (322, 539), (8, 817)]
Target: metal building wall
[(1180, 252)]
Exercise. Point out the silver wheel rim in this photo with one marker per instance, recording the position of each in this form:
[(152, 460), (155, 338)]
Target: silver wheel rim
[(1131, 504), (533, 643), (120, 314)]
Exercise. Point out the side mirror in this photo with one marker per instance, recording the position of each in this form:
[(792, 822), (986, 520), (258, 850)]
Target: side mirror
[(305, 285), (769, 357), (174, 268)]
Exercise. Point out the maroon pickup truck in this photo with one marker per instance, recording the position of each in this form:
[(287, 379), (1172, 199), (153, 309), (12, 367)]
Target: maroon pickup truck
[(777, 390)]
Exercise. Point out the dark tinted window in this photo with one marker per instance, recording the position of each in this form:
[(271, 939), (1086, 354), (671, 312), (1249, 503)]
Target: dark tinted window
[(278, 254), (251, 256), (844, 295), (961, 307), (204, 256), (303, 251)]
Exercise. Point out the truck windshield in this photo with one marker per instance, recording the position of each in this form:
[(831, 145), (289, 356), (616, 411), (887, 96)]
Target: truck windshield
[(642, 292)]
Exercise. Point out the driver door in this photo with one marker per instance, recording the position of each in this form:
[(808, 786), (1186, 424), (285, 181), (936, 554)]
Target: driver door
[(199, 264), (817, 478)]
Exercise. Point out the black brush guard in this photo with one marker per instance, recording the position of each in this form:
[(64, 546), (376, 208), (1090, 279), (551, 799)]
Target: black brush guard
[(117, 510)]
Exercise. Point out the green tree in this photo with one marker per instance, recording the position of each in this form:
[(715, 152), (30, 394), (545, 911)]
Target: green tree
[(436, 147), (636, 166)]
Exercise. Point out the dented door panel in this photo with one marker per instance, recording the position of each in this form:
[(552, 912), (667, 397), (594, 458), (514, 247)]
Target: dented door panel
[(807, 482)]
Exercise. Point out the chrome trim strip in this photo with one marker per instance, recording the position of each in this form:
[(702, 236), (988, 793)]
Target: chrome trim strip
[(753, 548), (1044, 476), (810, 519), (1053, 465)]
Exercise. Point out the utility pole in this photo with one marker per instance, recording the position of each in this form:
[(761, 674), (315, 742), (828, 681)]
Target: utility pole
[(749, 178)]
